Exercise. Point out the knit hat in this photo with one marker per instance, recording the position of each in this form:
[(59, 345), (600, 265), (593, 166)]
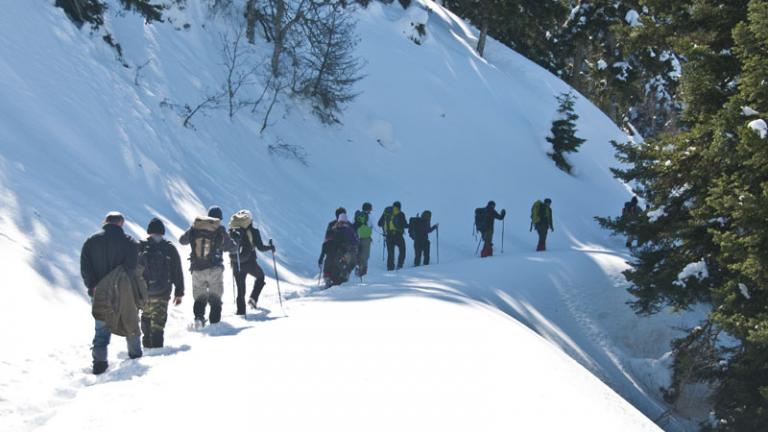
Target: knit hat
[(397, 204), (491, 203), (156, 226), (367, 206), (215, 212), (547, 201)]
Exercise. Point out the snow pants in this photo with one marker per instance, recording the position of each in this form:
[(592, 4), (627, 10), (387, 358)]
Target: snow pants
[(153, 319), (487, 236), (421, 248), (253, 269), (363, 254), (207, 289), (542, 230), (395, 241)]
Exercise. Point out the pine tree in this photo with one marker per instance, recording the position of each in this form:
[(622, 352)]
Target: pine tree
[(563, 138), (708, 189)]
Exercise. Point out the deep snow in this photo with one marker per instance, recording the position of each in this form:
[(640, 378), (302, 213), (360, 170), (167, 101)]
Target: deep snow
[(435, 126)]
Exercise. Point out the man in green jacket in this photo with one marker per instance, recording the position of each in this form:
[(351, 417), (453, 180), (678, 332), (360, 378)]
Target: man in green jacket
[(365, 233)]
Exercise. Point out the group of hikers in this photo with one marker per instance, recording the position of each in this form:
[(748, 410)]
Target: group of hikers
[(347, 245), (125, 278)]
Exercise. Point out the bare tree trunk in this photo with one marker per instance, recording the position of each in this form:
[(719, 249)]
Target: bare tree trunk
[(483, 37), (278, 36), (250, 19)]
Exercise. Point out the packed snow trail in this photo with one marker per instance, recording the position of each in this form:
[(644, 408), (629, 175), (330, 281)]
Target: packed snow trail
[(378, 357)]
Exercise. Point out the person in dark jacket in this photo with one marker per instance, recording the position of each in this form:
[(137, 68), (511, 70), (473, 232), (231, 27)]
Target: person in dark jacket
[(338, 256), (394, 224), (491, 215), (164, 276), (248, 240), (421, 245), (207, 264), (630, 213), (102, 253), (541, 219)]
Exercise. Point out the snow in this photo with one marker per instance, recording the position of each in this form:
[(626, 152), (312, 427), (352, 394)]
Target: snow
[(697, 270), (602, 65), (760, 127), (744, 291), (748, 111), (633, 18), (543, 341)]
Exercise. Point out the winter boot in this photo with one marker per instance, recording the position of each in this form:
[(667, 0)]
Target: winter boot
[(157, 339), (99, 367), (252, 303), (215, 314), (199, 323), (487, 251)]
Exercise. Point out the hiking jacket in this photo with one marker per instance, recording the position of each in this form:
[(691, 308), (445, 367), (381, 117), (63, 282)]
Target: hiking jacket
[(223, 244), (491, 216), (246, 245), (105, 251), (422, 229), (162, 288), (397, 225), (117, 299), (347, 236)]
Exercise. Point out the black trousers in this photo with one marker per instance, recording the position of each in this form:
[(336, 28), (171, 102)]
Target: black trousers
[(395, 241), (542, 230), (421, 248), (248, 268)]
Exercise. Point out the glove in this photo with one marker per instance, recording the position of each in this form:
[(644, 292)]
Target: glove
[(176, 301)]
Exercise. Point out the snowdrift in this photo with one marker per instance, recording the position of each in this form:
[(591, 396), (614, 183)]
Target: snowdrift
[(435, 127)]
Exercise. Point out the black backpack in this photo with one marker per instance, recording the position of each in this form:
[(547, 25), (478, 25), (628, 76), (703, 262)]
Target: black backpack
[(481, 219), (157, 267), (413, 226)]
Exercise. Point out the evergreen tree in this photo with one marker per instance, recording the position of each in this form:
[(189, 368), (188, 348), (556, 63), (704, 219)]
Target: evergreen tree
[(564, 139), (709, 190)]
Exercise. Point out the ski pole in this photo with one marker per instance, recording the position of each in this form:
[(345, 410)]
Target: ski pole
[(437, 235), (277, 278), (478, 246), (502, 236)]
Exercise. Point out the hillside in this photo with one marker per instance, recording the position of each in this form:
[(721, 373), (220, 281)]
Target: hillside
[(435, 127)]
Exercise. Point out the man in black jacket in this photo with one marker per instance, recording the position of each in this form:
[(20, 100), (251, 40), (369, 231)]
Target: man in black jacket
[(162, 272), (394, 224), (102, 253), (207, 265), (248, 240), (421, 244), (491, 215)]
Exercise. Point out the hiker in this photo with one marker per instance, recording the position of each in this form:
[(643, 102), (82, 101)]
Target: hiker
[(485, 218), (629, 213), (103, 255), (339, 252), (419, 229), (248, 239), (162, 268), (208, 240), (541, 219), (364, 230), (394, 224)]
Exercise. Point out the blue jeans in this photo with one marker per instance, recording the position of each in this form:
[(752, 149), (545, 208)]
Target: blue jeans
[(101, 341)]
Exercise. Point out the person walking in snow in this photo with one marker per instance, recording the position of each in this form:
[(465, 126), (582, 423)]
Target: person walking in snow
[(339, 252), (101, 254), (248, 240), (208, 240), (541, 219), (394, 224), (364, 230), (419, 229), (630, 213), (163, 275), (485, 218)]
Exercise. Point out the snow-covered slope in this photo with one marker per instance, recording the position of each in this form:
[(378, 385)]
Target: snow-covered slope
[(435, 127)]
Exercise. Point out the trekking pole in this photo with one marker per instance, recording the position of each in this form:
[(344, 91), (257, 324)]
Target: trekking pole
[(437, 234), (502, 236), (478, 246), (277, 278)]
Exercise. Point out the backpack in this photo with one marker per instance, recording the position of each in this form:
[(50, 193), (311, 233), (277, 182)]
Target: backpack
[(481, 219), (361, 225), (206, 242), (538, 213), (157, 268), (413, 226), (385, 218), (241, 219)]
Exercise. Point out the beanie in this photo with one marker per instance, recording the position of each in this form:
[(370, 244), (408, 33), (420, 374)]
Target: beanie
[(156, 226), (215, 212)]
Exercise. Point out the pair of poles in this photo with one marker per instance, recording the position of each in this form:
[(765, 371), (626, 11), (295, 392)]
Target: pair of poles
[(274, 266), (474, 230)]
